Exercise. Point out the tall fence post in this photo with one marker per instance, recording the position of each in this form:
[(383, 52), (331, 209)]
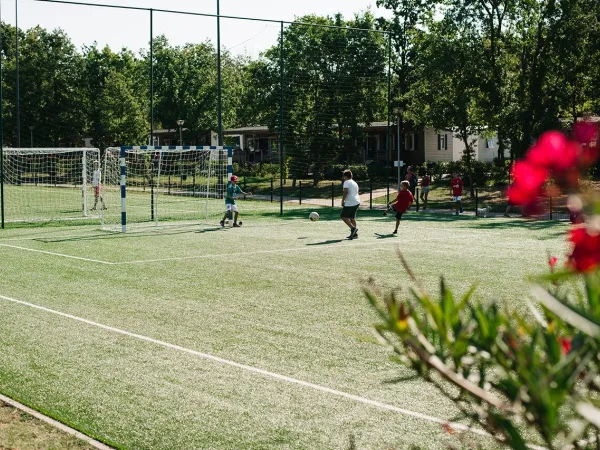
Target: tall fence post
[(300, 202), (281, 162), (244, 187), (388, 191), (417, 198), (271, 189), (332, 195), (551, 208), (476, 201), (151, 77), (371, 194)]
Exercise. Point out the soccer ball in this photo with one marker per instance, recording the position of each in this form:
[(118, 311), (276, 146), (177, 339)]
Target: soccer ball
[(313, 216)]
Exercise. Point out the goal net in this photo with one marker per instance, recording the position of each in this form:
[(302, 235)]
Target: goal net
[(152, 185), (46, 184)]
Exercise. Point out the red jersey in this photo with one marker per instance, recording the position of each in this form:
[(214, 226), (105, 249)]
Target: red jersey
[(425, 181), (457, 186), (403, 201)]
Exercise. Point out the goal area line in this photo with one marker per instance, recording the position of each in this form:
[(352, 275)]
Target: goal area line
[(372, 245)]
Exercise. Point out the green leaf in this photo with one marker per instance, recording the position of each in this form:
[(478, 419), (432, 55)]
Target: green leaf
[(576, 318)]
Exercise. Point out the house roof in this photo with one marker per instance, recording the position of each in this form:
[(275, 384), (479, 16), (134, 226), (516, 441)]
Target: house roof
[(262, 128), (169, 131), (246, 129)]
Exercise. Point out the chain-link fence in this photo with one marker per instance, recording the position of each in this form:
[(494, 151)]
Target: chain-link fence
[(298, 101)]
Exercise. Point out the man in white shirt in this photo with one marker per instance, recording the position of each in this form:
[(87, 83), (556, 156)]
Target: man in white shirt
[(350, 203)]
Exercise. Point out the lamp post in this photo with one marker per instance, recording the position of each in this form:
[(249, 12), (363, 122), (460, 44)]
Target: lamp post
[(398, 112), (31, 127), (180, 124)]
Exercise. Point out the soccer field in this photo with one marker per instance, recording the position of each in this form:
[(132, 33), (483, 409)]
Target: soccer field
[(190, 337)]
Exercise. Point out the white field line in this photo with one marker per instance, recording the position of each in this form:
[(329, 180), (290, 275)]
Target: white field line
[(61, 426), (180, 258), (61, 255), (257, 370), (257, 252)]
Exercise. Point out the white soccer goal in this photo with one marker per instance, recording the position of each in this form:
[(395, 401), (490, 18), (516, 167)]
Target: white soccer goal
[(164, 184), (46, 184)]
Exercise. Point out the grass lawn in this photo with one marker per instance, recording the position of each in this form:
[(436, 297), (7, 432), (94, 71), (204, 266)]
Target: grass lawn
[(280, 295)]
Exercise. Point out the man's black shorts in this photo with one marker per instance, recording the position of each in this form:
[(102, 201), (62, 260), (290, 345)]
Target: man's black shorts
[(349, 212), (399, 216)]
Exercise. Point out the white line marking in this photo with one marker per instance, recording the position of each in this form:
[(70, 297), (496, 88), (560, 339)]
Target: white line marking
[(58, 254), (266, 373), (257, 252), (61, 426)]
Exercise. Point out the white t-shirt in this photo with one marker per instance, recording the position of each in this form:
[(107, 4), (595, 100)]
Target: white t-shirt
[(352, 199), (96, 177)]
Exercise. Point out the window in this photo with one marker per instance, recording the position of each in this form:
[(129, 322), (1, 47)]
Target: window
[(372, 145), (409, 142), (442, 142), (489, 143)]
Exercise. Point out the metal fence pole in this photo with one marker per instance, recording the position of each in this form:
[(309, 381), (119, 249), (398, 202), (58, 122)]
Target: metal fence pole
[(388, 190), (300, 192), (281, 162), (332, 195), (417, 198), (271, 189), (371, 194), (1, 137), (550, 208), (219, 91), (18, 88), (151, 78), (476, 201), (389, 103)]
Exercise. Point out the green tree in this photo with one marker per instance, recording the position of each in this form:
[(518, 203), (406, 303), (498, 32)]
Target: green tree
[(123, 119), (52, 95), (334, 85), (449, 58)]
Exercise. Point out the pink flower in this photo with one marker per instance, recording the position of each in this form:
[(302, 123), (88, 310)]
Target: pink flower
[(528, 182), (552, 261), (585, 132), (554, 152), (565, 345), (585, 256)]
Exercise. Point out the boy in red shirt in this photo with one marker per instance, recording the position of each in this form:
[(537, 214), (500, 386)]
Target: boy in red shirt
[(457, 190), (402, 202)]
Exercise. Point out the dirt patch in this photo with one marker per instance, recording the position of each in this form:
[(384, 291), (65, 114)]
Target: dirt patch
[(20, 431)]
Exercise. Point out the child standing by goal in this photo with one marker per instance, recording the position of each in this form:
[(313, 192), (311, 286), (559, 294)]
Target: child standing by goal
[(97, 185), (402, 202), (232, 190)]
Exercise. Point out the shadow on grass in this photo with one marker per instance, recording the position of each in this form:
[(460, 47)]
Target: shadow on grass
[(385, 236), (109, 235), (209, 230), (331, 241)]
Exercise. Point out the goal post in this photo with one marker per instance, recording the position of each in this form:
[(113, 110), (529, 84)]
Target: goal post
[(47, 184), (154, 184)]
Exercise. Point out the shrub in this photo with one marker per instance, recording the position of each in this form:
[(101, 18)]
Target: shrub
[(359, 171), (513, 374)]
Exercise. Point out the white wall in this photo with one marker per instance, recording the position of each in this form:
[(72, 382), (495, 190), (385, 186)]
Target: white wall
[(487, 154), (431, 146)]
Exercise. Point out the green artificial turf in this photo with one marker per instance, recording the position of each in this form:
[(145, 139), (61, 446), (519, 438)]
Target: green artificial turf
[(279, 294)]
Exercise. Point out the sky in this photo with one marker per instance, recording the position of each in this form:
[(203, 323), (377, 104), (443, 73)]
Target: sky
[(124, 28)]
